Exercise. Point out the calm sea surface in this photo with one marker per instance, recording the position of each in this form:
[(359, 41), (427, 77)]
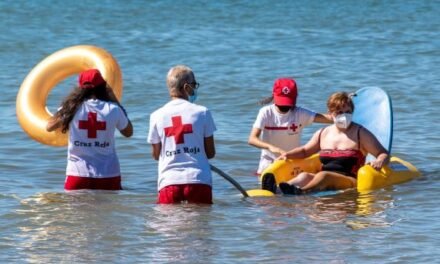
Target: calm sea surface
[(237, 49)]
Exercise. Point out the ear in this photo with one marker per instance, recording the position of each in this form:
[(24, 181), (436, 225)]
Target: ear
[(188, 89)]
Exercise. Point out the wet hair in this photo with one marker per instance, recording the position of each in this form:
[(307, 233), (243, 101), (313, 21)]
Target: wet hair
[(338, 100), (70, 104), (177, 77)]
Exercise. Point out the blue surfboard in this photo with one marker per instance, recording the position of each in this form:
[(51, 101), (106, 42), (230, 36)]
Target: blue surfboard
[(373, 110)]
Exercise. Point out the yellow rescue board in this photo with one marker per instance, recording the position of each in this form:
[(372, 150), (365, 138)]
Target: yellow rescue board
[(397, 171)]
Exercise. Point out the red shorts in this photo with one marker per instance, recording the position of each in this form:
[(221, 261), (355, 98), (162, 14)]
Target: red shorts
[(76, 183), (193, 193)]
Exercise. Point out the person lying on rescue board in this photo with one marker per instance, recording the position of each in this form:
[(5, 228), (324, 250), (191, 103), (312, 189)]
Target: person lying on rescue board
[(342, 149)]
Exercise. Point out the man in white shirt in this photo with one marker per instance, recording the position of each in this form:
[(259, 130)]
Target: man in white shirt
[(182, 137)]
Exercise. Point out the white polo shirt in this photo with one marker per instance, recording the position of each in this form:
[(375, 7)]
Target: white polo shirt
[(281, 130), (91, 150), (182, 127)]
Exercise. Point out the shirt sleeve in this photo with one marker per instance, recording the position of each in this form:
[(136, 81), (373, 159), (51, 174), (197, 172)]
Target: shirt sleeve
[(153, 134), (307, 116), (260, 121), (122, 119), (209, 124)]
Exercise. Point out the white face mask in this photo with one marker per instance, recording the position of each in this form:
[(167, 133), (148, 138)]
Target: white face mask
[(343, 120)]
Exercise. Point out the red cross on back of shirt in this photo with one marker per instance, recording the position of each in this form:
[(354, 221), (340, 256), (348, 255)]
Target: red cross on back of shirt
[(178, 129), (92, 125)]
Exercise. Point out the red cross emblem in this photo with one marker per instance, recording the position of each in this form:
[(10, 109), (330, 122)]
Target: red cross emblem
[(178, 129), (92, 125), (293, 127)]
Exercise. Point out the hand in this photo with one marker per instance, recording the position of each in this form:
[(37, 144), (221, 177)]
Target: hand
[(377, 164), (282, 157), (277, 151)]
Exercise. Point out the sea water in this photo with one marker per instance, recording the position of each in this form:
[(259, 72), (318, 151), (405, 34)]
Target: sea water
[(236, 49)]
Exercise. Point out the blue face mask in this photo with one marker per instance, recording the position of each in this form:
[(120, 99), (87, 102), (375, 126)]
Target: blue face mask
[(192, 98)]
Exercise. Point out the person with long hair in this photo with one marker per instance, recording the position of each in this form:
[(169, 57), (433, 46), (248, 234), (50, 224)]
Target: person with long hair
[(279, 125), (181, 134), (342, 149), (91, 113)]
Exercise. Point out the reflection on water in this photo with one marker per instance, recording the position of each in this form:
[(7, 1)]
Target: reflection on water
[(98, 225), (183, 233), (77, 225), (356, 210), (92, 226)]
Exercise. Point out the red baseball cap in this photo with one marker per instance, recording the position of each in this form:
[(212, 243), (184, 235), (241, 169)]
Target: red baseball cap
[(285, 92), (90, 79)]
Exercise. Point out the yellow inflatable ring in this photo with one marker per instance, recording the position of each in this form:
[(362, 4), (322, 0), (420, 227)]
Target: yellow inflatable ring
[(32, 113)]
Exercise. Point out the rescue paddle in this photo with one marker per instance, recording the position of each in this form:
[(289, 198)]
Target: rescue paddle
[(250, 193)]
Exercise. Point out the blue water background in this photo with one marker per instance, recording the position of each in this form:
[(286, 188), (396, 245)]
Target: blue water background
[(237, 49)]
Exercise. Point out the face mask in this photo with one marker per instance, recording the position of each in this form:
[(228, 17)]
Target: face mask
[(343, 120), (284, 109), (192, 98)]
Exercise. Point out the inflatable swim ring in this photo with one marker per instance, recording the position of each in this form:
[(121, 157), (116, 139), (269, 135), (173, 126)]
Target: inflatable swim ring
[(32, 113)]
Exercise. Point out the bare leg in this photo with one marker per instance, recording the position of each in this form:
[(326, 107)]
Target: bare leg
[(326, 180), (302, 179)]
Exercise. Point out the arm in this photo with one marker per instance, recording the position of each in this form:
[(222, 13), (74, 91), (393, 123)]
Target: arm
[(53, 123), (155, 150), (370, 143), (323, 118), (254, 140), (209, 147), (114, 99), (302, 152), (128, 130)]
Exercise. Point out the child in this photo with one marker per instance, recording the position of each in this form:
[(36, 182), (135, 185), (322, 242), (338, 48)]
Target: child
[(91, 113), (182, 138), (281, 123)]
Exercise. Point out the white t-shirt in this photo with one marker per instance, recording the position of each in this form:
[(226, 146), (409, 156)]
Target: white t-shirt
[(91, 151), (281, 130), (182, 127)]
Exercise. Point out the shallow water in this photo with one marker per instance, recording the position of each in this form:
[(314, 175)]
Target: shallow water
[(236, 49)]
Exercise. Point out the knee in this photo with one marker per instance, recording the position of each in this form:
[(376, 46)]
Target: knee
[(302, 175), (321, 175)]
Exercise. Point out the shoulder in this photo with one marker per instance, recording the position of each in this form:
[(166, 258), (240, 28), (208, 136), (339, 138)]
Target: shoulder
[(196, 109), (114, 108), (158, 112), (266, 110), (304, 111), (329, 131), (112, 105), (199, 108), (324, 130), (363, 131)]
